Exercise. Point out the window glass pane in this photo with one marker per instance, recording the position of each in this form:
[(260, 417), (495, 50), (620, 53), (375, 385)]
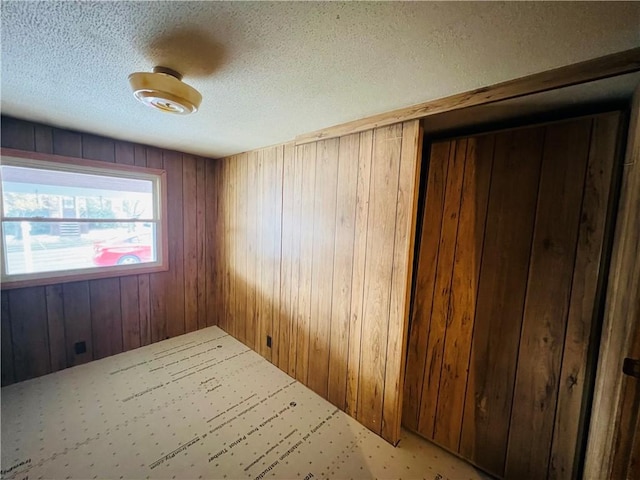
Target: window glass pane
[(33, 247), (34, 192)]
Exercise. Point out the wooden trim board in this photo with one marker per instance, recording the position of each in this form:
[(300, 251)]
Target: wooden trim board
[(619, 63)]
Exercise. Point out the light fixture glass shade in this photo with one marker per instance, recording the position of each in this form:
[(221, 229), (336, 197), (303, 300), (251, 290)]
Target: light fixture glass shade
[(165, 92)]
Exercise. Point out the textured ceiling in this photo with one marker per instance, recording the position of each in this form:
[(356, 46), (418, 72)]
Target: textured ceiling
[(270, 71)]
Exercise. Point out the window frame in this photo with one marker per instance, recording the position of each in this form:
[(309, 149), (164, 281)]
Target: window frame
[(79, 165)]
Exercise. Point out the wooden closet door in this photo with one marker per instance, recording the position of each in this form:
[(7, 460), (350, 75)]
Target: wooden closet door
[(506, 290)]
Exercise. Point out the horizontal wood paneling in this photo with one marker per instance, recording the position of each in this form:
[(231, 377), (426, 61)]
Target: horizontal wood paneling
[(317, 242), (506, 294), (41, 325)]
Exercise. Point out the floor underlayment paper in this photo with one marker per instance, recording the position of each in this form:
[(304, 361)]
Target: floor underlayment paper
[(201, 405)]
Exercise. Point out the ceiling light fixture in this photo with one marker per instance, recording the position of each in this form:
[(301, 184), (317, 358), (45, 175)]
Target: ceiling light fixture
[(164, 90)]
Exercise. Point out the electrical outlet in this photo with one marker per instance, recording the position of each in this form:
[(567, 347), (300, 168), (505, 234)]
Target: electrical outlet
[(80, 347), (269, 341)]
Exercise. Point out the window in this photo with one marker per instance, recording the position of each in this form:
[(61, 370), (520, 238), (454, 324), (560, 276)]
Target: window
[(67, 219)]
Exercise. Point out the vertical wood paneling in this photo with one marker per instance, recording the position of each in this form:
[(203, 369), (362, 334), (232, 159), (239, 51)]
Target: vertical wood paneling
[(29, 332), (215, 283), (378, 272), (175, 276), (8, 373), (547, 300), (425, 282), (144, 307), (120, 313), (98, 148), (324, 214), (200, 240), (270, 250), (296, 269), (611, 452), (406, 209), (501, 289), (231, 246), (276, 258), (581, 317), (124, 153), (309, 243), (252, 177), (43, 139), (190, 242), (462, 302), (515, 282), (347, 177), (18, 134), (359, 262), (442, 291), (106, 317), (55, 323), (77, 321), (158, 282), (255, 269), (287, 315), (307, 155), (296, 227), (66, 143), (130, 298)]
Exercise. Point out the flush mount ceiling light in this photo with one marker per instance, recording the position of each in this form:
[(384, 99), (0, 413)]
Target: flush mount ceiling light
[(164, 90)]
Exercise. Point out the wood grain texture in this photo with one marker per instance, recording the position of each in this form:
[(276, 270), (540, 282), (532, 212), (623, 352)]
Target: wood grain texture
[(296, 234), (245, 295), (464, 288), (286, 313), (425, 282), (347, 177), (276, 256), (106, 317), (215, 284), (547, 299), (134, 310), (582, 316), (307, 155), (130, 311), (621, 311), (200, 243), (501, 290), (327, 275), (77, 317), (442, 289), (158, 282), (8, 373), (598, 68), (144, 307), (363, 187), (175, 276), (55, 324), (381, 226), (29, 332), (263, 246), (190, 242), (404, 245), (515, 282), (324, 226)]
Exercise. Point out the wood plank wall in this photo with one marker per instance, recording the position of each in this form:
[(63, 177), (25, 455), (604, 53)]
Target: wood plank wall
[(506, 293), (315, 251), (41, 325)]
